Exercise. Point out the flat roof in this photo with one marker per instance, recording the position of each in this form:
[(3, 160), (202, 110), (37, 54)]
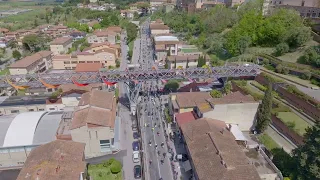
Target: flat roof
[(166, 38), (21, 101)]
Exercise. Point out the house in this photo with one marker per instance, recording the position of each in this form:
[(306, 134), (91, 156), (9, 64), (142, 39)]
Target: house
[(308, 8), (127, 13), (95, 123), (77, 35), (88, 67), (116, 29), (12, 35), (157, 2), (61, 45), (214, 153), (106, 45), (234, 108), (180, 61), (107, 57), (187, 101), (159, 28), (36, 63), (101, 36), (165, 45), (4, 30), (58, 159)]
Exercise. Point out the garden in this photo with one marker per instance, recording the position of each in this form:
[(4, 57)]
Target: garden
[(110, 170)]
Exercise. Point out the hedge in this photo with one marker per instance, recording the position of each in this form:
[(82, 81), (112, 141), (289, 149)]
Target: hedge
[(294, 90)]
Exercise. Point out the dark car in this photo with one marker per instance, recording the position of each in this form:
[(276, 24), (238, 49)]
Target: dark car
[(135, 146), (136, 135), (137, 171), (182, 157)]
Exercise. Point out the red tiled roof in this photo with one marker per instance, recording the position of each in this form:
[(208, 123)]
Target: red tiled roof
[(185, 117), (29, 60), (61, 40), (158, 26), (88, 67)]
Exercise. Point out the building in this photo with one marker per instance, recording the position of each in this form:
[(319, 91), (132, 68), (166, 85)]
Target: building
[(159, 28), (61, 45), (23, 132), (157, 2), (182, 61), (235, 108), (116, 29), (106, 45), (187, 101), (165, 45), (88, 67), (188, 50), (101, 36), (107, 57), (94, 124), (127, 13), (214, 153), (36, 63), (77, 35), (55, 160), (16, 105)]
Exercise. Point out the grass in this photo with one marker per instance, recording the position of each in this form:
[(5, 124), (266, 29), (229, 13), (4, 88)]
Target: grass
[(189, 50), (293, 56), (100, 172), (294, 122), (5, 71), (268, 142), (131, 45)]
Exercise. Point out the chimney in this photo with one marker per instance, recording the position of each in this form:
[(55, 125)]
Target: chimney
[(222, 131), (229, 127), (57, 168)]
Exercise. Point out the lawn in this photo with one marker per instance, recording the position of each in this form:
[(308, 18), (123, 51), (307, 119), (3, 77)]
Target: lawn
[(293, 121), (268, 142), (293, 56), (190, 50), (103, 171), (131, 45), (5, 71)]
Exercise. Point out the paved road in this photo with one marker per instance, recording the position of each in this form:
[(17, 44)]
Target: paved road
[(282, 142)]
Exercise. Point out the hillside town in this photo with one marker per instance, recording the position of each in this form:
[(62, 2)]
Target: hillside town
[(161, 90)]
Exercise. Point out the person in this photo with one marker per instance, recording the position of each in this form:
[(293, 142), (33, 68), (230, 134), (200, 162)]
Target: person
[(150, 161), (164, 154), (158, 153), (162, 144), (156, 145), (158, 133), (152, 129)]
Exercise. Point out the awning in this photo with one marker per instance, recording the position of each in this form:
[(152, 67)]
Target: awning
[(235, 130), (186, 166)]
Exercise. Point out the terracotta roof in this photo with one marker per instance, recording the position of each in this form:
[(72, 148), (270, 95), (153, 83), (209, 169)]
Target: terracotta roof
[(232, 98), (158, 26), (160, 47), (166, 42), (185, 57), (116, 29), (158, 21), (185, 117), (88, 67), (91, 23), (189, 99), (109, 50), (214, 152), (4, 30), (11, 33), (97, 98), (61, 40), (56, 160), (29, 60), (70, 87), (104, 33)]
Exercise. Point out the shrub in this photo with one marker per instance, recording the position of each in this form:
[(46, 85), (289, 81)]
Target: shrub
[(306, 75), (285, 70), (215, 93), (281, 49), (279, 68), (269, 67), (116, 167)]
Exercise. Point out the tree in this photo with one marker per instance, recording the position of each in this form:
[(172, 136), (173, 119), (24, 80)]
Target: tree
[(16, 54), (281, 49), (47, 18), (13, 44), (35, 24), (284, 162), (264, 110), (306, 75), (30, 42), (243, 43), (171, 85), (279, 68), (227, 88), (215, 93), (187, 65), (201, 61), (308, 154), (115, 167), (96, 26)]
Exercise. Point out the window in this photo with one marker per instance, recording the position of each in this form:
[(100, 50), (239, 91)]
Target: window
[(279, 2), (31, 110), (74, 62), (21, 163), (52, 109), (66, 62), (41, 109), (112, 141), (302, 3), (96, 61), (15, 111), (89, 61), (73, 67), (105, 145), (82, 62)]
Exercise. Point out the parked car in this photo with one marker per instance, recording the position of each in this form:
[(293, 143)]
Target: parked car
[(181, 157), (136, 156), (135, 146), (137, 171), (134, 126), (136, 135)]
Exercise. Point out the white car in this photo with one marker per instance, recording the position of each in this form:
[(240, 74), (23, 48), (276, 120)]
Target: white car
[(135, 156)]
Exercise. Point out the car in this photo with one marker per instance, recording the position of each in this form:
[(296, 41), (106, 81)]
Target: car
[(135, 146), (136, 135), (137, 171), (136, 156), (181, 157), (134, 126)]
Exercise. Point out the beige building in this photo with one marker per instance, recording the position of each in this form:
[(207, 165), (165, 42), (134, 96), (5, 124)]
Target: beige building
[(106, 45), (55, 160), (36, 63), (107, 57), (159, 28), (61, 45), (306, 8), (127, 13), (165, 45), (101, 36), (182, 61)]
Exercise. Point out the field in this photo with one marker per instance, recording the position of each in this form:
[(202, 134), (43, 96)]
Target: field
[(268, 142), (293, 121), (5, 71)]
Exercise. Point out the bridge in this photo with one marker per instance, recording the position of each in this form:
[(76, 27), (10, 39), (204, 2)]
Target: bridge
[(111, 77)]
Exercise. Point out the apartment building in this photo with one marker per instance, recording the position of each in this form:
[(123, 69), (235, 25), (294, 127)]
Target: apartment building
[(36, 63), (184, 61), (107, 57), (101, 36), (127, 13), (61, 45), (106, 45), (159, 28), (165, 45)]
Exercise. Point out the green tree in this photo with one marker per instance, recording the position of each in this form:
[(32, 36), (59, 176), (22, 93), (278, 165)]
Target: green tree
[(47, 18), (115, 167), (16, 54), (284, 162), (187, 65), (35, 23), (96, 26), (30, 42), (201, 61), (279, 68), (227, 88), (171, 85), (264, 110), (308, 154), (281, 49), (215, 93), (243, 43)]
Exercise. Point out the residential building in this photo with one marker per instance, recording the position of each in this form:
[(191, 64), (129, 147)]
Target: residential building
[(61, 45), (101, 36), (182, 61), (55, 105), (36, 63), (205, 4), (77, 35), (95, 123), (159, 28), (234, 108), (16, 105), (88, 67), (157, 2), (12, 35), (187, 101), (20, 133), (165, 45), (4, 30), (127, 13), (116, 29), (231, 3), (214, 153), (55, 160), (106, 45), (188, 50), (107, 57)]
